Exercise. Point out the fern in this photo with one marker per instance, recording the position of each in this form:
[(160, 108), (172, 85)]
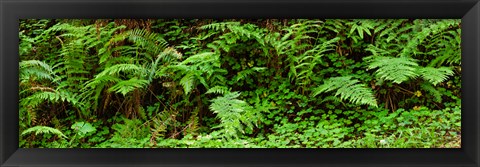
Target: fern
[(152, 54), (288, 44), (195, 70), (348, 89), (386, 31), (99, 80), (168, 55), (201, 58), (379, 52), (160, 123), (44, 130), (72, 68), (446, 58), (31, 116), (188, 82), (130, 134), (93, 89), (220, 26), (446, 47), (303, 52), (419, 37), (115, 70), (152, 43), (219, 90), (402, 69), (74, 52), (303, 66), (36, 68), (396, 69), (128, 86), (39, 94), (233, 113), (192, 123), (435, 75), (233, 32), (158, 129), (57, 96)]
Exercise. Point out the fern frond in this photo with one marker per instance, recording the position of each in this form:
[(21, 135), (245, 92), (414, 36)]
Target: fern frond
[(200, 58), (348, 89), (31, 116), (152, 42), (159, 124), (35, 63), (128, 86), (93, 89), (220, 26), (45, 130), (301, 67), (376, 51), (48, 96), (170, 54), (115, 70), (435, 75), (219, 90), (158, 128), (100, 80), (233, 114), (419, 38), (35, 68), (396, 69), (387, 27), (447, 46), (188, 81), (448, 58), (192, 123)]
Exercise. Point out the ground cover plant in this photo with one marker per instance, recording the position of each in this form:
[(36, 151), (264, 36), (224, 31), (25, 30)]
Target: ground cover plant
[(240, 83)]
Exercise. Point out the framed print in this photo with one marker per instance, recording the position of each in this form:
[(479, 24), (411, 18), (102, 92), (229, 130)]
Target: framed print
[(239, 83)]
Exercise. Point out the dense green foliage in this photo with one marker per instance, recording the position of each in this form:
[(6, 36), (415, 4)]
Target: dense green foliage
[(239, 83)]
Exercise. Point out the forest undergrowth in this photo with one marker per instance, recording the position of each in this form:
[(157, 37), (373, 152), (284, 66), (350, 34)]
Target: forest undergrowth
[(240, 83)]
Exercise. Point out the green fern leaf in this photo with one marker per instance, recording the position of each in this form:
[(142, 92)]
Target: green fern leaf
[(348, 89), (127, 86), (396, 69), (219, 90), (201, 58), (435, 75), (127, 68), (45, 130), (35, 68), (188, 81), (233, 113), (220, 26)]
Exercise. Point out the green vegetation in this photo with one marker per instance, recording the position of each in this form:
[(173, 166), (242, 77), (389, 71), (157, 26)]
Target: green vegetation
[(239, 83)]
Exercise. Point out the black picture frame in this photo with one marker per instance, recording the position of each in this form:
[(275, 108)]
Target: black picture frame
[(13, 10)]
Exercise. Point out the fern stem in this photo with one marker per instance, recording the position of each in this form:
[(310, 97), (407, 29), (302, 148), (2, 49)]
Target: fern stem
[(405, 90)]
